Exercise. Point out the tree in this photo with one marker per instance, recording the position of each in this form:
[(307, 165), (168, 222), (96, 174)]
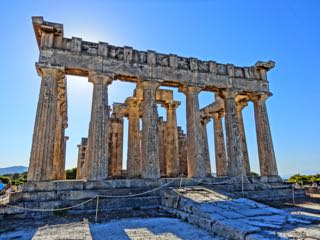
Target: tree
[(71, 173)]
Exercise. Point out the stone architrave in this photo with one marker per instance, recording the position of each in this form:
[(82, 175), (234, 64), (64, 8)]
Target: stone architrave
[(206, 154), (267, 159), (134, 151), (97, 149), (219, 144), (150, 137), (246, 162), (44, 135), (172, 143), (196, 163), (235, 165)]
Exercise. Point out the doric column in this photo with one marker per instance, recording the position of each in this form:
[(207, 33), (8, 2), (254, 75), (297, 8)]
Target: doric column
[(115, 145), (61, 125), (268, 165), (81, 158), (240, 106), (196, 163), (206, 154), (150, 137), (172, 144), (182, 152), (234, 150), (162, 146), (97, 150), (44, 135), (219, 145), (134, 153)]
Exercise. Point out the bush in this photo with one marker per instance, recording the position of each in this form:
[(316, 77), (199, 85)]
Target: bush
[(71, 173)]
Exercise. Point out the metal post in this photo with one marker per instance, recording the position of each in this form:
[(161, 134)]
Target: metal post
[(97, 208)]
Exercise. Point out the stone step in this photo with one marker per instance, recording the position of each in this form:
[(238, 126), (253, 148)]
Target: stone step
[(104, 205), (232, 218)]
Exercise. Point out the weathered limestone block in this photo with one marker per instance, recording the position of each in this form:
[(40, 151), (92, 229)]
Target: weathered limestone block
[(150, 138), (234, 149), (196, 163), (134, 152), (267, 159), (41, 165), (97, 150)]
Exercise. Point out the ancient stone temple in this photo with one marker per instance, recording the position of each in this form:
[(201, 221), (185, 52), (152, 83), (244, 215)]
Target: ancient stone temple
[(156, 148)]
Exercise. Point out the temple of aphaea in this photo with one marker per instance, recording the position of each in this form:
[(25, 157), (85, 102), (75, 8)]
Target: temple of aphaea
[(156, 148)]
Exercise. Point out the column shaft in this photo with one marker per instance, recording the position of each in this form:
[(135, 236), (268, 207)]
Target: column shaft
[(234, 149), (172, 144), (220, 150), (268, 165), (97, 150), (43, 142), (196, 163), (206, 154), (134, 153), (150, 137)]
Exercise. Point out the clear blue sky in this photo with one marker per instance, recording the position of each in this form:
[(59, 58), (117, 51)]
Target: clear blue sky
[(238, 32)]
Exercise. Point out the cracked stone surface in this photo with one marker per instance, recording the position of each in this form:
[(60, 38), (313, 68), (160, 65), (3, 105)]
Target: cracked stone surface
[(238, 218)]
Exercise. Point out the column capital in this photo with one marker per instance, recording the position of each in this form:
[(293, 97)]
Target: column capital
[(132, 102), (241, 105), (187, 89), (99, 78), (171, 105), (259, 97), (228, 93), (55, 71), (217, 115), (148, 84)]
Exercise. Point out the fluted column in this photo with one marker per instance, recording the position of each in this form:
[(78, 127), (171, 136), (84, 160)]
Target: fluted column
[(81, 158), (162, 146), (172, 144), (134, 153), (240, 106), (97, 150), (182, 152), (115, 145), (234, 150), (61, 125), (196, 163), (206, 154), (267, 159), (150, 137), (219, 145), (44, 134)]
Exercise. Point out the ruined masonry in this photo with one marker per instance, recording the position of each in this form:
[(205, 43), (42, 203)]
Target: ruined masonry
[(159, 148)]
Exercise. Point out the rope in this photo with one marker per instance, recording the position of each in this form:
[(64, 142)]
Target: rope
[(97, 208), (52, 209), (97, 196)]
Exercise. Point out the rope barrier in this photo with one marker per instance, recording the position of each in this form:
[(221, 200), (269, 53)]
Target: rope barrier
[(230, 180)]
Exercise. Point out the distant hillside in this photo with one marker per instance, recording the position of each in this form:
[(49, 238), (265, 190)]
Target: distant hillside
[(14, 169)]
